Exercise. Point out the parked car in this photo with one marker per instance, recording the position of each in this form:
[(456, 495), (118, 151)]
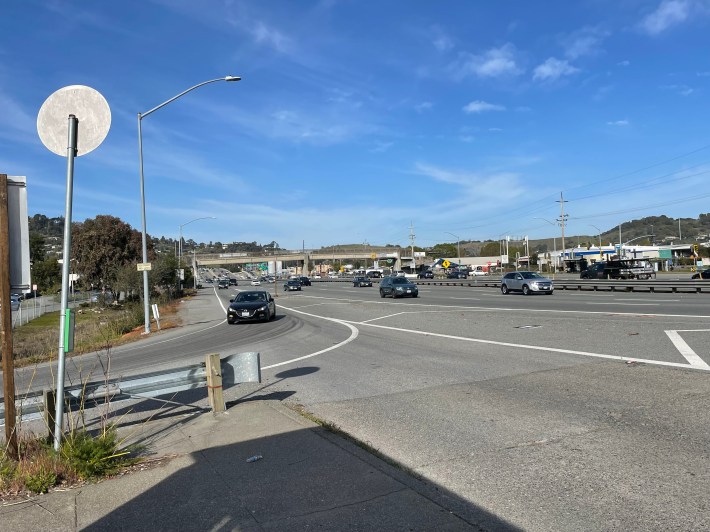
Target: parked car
[(14, 302), (223, 284), (374, 274), (426, 274), (702, 274), (619, 269), (305, 281), (396, 286), (292, 284), (526, 282), (251, 305), (362, 281)]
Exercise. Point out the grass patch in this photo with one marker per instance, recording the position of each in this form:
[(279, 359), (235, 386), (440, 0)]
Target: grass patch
[(96, 328)]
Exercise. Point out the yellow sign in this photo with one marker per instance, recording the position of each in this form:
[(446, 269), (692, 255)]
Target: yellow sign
[(373, 256), (446, 264), (144, 266)]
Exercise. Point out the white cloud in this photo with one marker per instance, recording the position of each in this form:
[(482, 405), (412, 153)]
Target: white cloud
[(682, 90), (493, 63), (479, 106), (381, 147), (553, 69), (442, 42), (584, 42), (423, 106), (623, 63), (476, 184), (265, 35), (669, 13), (619, 123), (494, 129)]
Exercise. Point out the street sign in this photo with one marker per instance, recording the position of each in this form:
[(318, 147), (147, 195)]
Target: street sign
[(446, 264), (144, 266), (373, 256)]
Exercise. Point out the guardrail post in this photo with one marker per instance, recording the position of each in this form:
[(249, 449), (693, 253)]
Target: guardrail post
[(213, 368), (49, 407)]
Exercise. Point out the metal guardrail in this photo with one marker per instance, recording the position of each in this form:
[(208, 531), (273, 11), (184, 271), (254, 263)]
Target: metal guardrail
[(592, 285), (237, 368)]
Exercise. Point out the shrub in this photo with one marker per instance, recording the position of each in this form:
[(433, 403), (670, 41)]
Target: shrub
[(94, 456)]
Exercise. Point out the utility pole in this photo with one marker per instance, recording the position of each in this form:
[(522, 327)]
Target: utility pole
[(411, 240), (562, 220), (8, 362)]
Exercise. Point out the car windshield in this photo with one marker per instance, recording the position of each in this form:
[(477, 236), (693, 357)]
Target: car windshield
[(251, 296), (531, 275), (400, 280)]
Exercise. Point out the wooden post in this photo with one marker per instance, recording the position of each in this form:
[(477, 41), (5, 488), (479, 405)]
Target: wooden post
[(49, 407), (8, 362), (213, 367)]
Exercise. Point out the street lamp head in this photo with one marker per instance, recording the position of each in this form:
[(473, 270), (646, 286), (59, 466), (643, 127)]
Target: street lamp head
[(232, 78)]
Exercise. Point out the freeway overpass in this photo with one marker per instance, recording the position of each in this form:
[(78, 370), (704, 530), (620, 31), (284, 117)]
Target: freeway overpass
[(302, 257)]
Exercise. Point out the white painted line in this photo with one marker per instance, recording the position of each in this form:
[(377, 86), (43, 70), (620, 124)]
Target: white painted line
[(537, 347), (630, 304), (354, 332), (654, 300), (466, 298), (685, 350)]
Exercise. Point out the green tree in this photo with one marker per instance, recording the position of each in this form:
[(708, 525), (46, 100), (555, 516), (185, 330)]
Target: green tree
[(163, 274), (101, 246), (37, 253), (46, 274)]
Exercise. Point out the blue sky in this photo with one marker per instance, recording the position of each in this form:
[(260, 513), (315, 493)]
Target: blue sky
[(355, 118)]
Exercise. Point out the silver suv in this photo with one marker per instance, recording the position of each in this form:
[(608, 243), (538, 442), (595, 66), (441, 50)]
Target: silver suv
[(526, 282)]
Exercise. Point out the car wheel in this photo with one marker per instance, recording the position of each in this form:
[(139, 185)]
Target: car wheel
[(273, 316), (415, 295), (526, 290), (550, 293), (382, 293), (394, 294), (230, 322), (504, 289)]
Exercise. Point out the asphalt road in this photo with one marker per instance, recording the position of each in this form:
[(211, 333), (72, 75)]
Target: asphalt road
[(577, 411)]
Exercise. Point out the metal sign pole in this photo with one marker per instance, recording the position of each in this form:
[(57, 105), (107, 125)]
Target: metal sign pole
[(66, 259)]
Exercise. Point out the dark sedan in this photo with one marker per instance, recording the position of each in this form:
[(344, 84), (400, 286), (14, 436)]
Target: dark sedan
[(426, 274), (292, 284), (456, 275), (362, 281), (255, 305), (305, 281), (702, 274), (398, 287)]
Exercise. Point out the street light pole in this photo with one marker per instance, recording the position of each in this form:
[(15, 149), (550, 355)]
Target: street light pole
[(180, 243), (146, 292), (458, 246), (554, 244), (599, 232)]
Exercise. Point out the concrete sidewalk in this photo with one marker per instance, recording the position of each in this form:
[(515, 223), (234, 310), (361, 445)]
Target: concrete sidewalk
[(308, 478)]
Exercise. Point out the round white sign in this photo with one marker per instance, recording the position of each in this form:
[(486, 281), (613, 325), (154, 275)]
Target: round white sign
[(87, 105)]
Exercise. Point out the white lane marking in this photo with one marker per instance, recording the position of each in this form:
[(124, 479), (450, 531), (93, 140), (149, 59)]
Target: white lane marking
[(654, 300), (685, 350), (606, 313), (466, 298), (354, 332), (536, 347), (629, 304)]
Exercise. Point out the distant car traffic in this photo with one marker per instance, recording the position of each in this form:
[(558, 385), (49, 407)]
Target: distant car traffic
[(251, 305), (703, 274), (362, 281), (292, 284), (305, 281), (526, 282), (398, 287), (255, 282), (233, 282), (426, 274), (223, 284), (456, 275)]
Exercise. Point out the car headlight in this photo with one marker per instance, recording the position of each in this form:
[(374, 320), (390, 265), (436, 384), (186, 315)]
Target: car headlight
[(399, 289), (265, 307)]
